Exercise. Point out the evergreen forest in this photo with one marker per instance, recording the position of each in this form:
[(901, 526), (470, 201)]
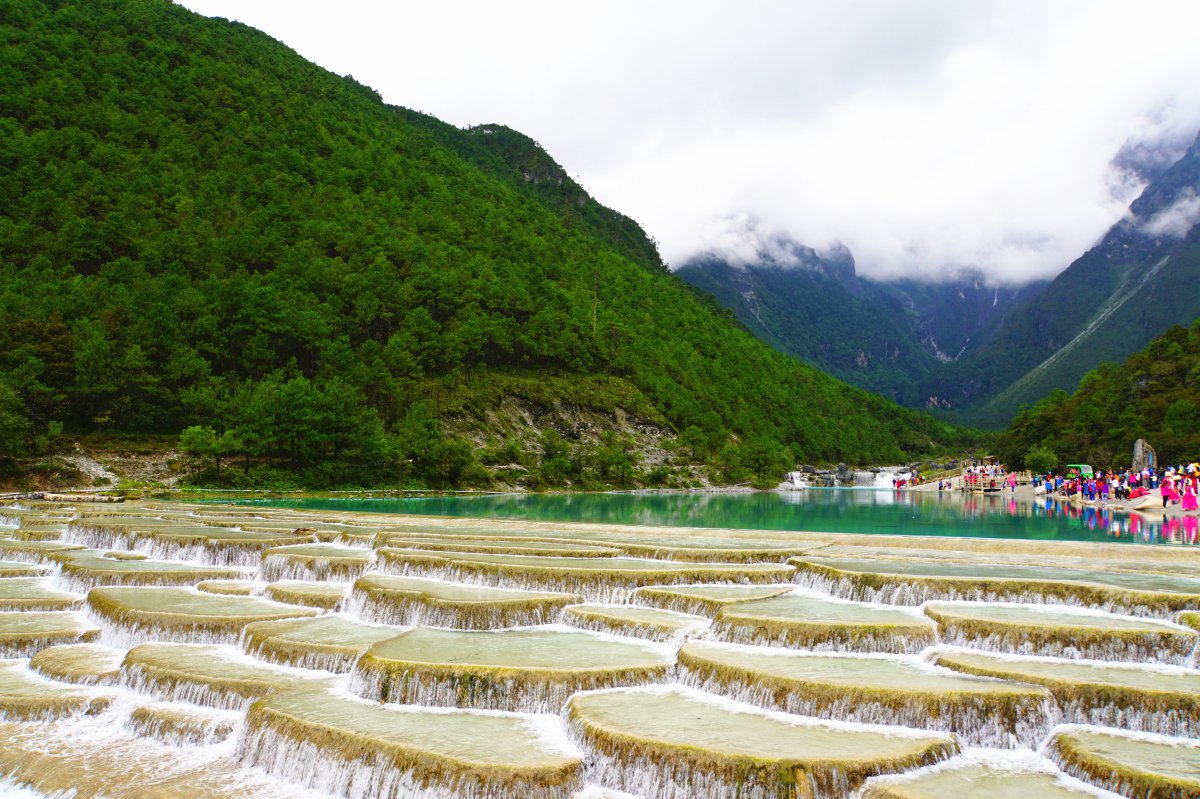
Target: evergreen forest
[(1154, 395)]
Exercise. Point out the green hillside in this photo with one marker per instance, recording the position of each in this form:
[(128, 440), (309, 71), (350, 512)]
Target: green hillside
[(200, 228), (1154, 395), (823, 314)]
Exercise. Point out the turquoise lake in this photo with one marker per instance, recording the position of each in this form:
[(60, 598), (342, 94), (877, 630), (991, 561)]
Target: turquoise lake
[(818, 510)]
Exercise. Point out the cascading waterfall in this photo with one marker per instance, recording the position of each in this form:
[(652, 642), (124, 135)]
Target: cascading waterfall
[(38, 630), (981, 722), (532, 669), (1127, 763), (1175, 722), (277, 568), (179, 724), (201, 552), (333, 662), (646, 759), (527, 695), (126, 635), (1121, 651), (884, 477), (174, 689), (410, 610), (31, 697), (914, 594), (295, 712), (1137, 697), (194, 548), (588, 590), (329, 742), (31, 556), (880, 641), (900, 592), (634, 628), (607, 580), (95, 536), (81, 583), (107, 754), (298, 761)]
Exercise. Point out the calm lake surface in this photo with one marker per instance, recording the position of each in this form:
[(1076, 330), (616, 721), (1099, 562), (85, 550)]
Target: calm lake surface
[(882, 511)]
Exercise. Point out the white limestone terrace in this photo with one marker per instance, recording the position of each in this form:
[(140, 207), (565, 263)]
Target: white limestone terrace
[(217, 651)]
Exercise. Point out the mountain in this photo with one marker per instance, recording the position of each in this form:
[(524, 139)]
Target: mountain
[(813, 306), (199, 229), (1154, 394), (953, 317), (1139, 280), (976, 351), (890, 337), (522, 162)]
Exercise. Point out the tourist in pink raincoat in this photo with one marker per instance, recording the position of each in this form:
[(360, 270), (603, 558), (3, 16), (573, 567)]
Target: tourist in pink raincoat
[(1190, 489), (1167, 489)]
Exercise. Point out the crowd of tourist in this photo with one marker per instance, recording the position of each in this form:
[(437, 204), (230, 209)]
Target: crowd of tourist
[(988, 476), (1178, 485), (1173, 485)]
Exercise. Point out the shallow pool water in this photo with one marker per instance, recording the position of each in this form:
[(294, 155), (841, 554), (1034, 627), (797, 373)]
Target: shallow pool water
[(817, 510), (388, 666)]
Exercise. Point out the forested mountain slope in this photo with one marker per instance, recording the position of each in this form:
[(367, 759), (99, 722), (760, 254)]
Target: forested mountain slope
[(198, 227), (1143, 277), (815, 307), (1154, 395), (890, 337)]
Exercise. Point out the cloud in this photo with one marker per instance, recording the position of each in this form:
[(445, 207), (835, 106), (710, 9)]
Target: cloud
[(1148, 153), (1176, 220), (744, 241), (927, 135)]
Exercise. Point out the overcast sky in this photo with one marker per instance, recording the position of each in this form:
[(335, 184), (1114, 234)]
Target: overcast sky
[(927, 136)]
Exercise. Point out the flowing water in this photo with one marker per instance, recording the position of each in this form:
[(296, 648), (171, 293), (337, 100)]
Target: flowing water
[(196, 650)]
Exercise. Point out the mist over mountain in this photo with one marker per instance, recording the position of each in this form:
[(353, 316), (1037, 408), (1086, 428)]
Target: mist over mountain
[(963, 345), (1146, 157), (891, 337), (1138, 281)]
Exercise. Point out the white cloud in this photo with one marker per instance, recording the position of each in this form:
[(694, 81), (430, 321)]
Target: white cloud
[(1177, 219), (742, 241), (927, 135), (1154, 147)]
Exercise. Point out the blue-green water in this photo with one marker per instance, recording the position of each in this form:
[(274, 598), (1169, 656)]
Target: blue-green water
[(817, 510)]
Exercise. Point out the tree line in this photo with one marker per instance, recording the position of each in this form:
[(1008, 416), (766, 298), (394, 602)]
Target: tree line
[(1154, 394)]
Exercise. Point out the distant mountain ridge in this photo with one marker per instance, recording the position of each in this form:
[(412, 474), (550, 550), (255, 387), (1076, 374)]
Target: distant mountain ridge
[(974, 350), (890, 337), (502, 151), (1154, 394)]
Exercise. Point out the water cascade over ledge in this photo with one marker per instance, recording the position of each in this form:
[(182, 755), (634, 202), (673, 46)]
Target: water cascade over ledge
[(152, 648)]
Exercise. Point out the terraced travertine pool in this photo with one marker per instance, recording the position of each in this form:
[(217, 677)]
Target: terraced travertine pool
[(152, 649)]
